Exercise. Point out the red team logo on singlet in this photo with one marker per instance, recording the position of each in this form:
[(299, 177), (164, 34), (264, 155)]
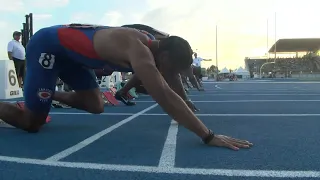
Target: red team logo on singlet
[(44, 94)]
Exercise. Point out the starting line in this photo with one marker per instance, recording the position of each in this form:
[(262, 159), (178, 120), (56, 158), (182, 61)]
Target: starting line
[(165, 170), (202, 115), (261, 82)]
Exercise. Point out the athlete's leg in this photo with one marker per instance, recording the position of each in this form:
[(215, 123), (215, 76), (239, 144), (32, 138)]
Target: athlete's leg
[(184, 80), (197, 73), (39, 86), (192, 78), (132, 82), (87, 95), (121, 94)]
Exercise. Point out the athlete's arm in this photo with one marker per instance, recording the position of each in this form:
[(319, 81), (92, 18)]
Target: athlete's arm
[(144, 67), (174, 81)]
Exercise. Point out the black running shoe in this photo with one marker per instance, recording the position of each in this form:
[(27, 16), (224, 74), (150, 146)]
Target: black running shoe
[(124, 99)]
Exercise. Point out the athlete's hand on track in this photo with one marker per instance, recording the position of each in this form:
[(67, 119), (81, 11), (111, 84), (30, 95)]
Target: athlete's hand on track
[(192, 106), (229, 142)]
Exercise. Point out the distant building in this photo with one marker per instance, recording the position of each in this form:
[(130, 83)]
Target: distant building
[(292, 56)]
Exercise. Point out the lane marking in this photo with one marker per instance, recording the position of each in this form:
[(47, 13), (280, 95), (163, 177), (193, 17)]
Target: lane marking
[(228, 101), (168, 155), (262, 82), (246, 101), (217, 87), (204, 115), (169, 170), (257, 90), (85, 113), (222, 94), (217, 94), (88, 141)]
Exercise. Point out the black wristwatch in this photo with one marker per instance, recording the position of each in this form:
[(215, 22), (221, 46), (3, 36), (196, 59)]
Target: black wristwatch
[(208, 138)]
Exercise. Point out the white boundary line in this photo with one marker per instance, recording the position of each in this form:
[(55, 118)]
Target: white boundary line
[(258, 90), (262, 82), (95, 137), (233, 101), (170, 170), (245, 101), (286, 94), (85, 113), (168, 155), (217, 87), (199, 115)]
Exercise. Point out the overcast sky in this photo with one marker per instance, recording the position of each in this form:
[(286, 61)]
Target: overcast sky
[(242, 24)]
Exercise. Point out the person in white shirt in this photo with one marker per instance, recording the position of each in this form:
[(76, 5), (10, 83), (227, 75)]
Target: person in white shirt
[(197, 67), (17, 53)]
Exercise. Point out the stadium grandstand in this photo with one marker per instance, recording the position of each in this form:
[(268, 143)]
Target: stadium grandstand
[(297, 58)]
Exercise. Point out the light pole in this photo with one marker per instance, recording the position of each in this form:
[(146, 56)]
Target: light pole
[(217, 69)]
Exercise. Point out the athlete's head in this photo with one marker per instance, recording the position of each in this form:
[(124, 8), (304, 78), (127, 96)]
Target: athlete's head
[(174, 53)]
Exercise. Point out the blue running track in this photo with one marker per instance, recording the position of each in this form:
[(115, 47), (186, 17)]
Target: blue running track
[(281, 118)]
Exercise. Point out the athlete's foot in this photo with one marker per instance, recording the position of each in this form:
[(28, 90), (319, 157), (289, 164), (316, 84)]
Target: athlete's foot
[(186, 90), (121, 97)]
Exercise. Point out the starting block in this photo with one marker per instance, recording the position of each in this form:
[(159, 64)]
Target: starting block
[(110, 98), (129, 96), (113, 90), (21, 106)]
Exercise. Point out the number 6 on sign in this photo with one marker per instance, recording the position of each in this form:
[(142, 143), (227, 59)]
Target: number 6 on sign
[(9, 87), (12, 78)]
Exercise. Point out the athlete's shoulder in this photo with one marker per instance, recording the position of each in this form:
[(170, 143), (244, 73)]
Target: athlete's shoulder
[(147, 28), (85, 26)]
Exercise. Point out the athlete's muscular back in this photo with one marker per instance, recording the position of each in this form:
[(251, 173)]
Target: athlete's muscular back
[(114, 44)]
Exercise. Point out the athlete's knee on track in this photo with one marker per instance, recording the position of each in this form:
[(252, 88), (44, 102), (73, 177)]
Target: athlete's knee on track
[(33, 126), (93, 101), (95, 105), (32, 122)]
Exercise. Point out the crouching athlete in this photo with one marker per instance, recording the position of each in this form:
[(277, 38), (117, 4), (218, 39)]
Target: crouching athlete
[(53, 51), (172, 78)]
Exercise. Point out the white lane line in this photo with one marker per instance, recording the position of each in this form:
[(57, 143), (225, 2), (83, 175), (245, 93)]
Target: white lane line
[(262, 82), (218, 94), (204, 115), (170, 170), (227, 101), (259, 91), (247, 101), (95, 137), (217, 87), (168, 155), (85, 113)]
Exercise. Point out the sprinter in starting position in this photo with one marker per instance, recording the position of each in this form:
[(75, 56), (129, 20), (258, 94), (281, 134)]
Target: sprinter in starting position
[(72, 51)]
